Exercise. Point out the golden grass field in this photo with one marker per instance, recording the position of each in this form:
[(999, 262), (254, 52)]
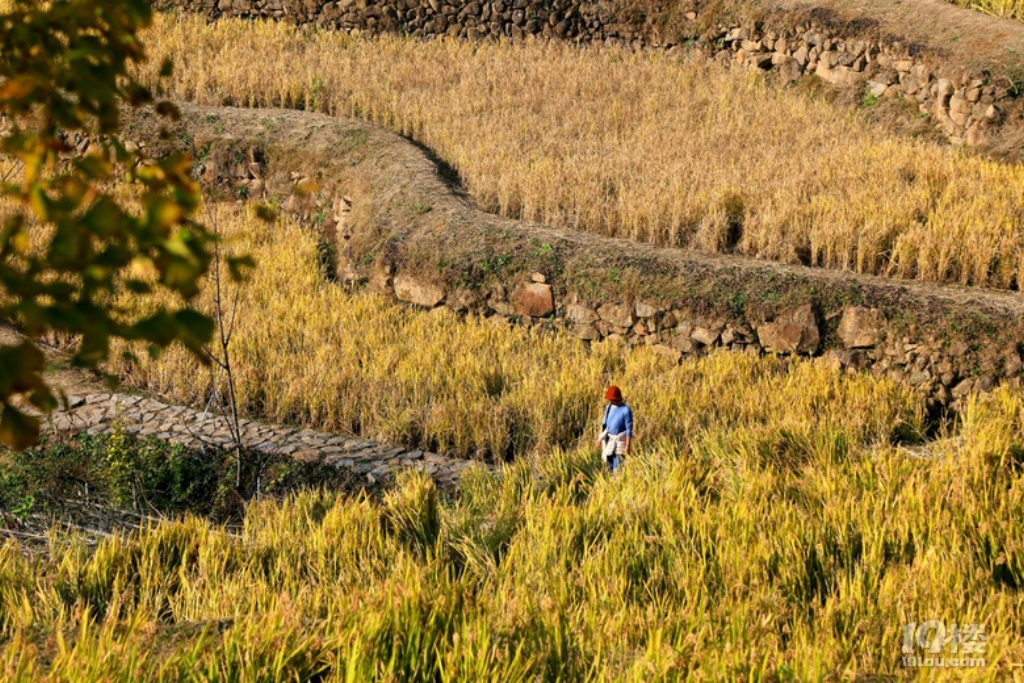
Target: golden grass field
[(778, 519), (766, 528), (653, 147), (773, 547)]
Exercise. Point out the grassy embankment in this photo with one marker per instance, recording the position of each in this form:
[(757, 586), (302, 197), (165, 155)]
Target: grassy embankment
[(653, 147)]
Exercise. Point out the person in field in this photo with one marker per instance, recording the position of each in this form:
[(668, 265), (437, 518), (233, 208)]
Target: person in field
[(616, 429)]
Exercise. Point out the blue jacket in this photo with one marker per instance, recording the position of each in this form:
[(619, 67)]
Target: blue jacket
[(618, 419)]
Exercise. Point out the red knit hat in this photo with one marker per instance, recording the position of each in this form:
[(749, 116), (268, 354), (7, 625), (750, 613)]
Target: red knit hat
[(613, 394)]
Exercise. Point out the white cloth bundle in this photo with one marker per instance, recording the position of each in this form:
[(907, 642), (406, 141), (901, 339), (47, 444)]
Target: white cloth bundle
[(612, 444)]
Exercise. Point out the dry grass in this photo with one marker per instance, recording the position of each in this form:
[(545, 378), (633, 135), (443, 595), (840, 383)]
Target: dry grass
[(766, 529), (1012, 9), (652, 147), (306, 351), (754, 555)]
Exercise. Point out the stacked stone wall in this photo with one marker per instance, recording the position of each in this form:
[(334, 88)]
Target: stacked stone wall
[(854, 337), (859, 325)]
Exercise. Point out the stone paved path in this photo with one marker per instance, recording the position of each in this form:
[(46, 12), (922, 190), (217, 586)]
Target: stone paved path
[(99, 413)]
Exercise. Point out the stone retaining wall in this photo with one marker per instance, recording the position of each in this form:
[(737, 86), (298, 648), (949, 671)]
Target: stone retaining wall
[(855, 337), (964, 104)]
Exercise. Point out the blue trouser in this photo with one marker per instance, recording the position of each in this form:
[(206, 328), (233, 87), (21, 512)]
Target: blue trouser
[(614, 462)]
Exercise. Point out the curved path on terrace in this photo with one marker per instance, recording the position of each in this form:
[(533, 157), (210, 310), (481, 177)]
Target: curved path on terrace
[(103, 413), (94, 408), (388, 176)]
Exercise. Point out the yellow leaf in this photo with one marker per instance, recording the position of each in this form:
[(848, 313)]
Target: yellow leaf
[(16, 88), (164, 213), (142, 267), (21, 242)]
